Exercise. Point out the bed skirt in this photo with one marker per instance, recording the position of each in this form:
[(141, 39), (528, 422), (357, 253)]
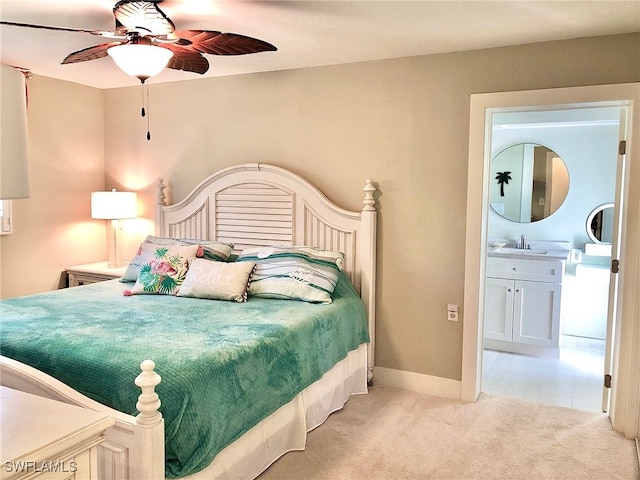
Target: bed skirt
[(286, 429)]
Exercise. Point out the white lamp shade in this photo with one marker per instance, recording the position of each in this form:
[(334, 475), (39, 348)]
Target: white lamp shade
[(14, 166), (114, 205), (141, 61)]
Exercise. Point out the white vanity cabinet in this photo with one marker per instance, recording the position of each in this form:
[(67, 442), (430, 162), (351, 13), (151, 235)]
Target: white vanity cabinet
[(522, 305)]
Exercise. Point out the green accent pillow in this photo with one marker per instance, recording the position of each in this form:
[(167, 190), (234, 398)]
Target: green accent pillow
[(212, 250)]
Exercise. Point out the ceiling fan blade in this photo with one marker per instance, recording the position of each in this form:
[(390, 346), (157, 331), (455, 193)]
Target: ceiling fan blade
[(143, 15), (186, 60), (91, 53), (60, 29), (218, 43)]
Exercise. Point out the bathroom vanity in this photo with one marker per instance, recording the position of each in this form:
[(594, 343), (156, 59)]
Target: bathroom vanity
[(523, 297)]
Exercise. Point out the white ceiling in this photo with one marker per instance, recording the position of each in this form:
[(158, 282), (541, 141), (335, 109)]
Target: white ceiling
[(307, 33)]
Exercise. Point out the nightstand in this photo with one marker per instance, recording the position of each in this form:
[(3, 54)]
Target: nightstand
[(92, 273), (47, 439)]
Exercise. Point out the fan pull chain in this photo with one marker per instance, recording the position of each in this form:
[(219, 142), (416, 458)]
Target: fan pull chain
[(148, 116), (143, 111)]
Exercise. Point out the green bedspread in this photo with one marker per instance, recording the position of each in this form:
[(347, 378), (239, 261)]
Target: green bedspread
[(225, 366)]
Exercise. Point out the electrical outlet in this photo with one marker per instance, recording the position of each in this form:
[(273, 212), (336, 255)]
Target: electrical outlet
[(576, 255), (452, 313)]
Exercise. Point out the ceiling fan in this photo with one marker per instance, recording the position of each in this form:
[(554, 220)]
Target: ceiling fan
[(145, 41)]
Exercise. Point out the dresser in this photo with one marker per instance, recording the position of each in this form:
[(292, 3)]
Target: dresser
[(45, 439)]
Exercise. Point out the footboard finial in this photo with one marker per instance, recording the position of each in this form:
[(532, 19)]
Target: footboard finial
[(148, 401)]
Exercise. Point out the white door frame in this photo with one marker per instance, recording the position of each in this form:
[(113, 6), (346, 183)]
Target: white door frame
[(626, 377)]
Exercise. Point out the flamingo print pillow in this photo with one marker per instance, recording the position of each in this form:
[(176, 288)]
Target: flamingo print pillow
[(165, 269)]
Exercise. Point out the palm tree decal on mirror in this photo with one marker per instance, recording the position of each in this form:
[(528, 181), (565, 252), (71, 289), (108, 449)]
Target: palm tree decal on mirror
[(503, 178)]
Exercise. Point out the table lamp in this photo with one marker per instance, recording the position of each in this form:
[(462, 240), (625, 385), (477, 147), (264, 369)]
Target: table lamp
[(114, 206)]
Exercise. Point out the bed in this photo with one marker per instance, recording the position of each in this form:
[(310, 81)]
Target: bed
[(295, 380)]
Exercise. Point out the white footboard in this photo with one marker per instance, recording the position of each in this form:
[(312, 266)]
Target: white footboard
[(134, 446)]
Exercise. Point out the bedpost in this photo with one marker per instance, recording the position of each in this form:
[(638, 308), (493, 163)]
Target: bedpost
[(148, 435), (161, 202), (367, 250)]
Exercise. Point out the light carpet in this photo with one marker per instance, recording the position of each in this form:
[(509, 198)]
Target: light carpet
[(395, 434)]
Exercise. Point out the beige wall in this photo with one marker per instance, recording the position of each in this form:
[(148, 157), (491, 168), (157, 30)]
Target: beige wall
[(403, 123), (53, 228)]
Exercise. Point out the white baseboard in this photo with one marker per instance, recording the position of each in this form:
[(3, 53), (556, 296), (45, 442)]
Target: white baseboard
[(418, 382)]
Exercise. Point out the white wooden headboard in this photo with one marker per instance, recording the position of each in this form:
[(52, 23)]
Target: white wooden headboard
[(257, 204)]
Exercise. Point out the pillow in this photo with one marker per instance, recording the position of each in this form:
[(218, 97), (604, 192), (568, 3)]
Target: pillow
[(297, 273), (212, 250), (216, 251), (133, 269), (166, 269), (217, 280)]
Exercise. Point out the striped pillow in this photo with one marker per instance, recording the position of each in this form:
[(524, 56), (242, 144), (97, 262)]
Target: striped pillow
[(216, 251), (295, 273)]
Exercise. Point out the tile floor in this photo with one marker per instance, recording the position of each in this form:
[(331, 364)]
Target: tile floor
[(574, 380)]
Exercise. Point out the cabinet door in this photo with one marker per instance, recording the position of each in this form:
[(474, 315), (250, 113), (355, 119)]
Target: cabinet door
[(536, 313), (498, 309)]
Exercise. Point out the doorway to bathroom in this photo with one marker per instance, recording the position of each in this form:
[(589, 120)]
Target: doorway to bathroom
[(560, 166), (483, 106)]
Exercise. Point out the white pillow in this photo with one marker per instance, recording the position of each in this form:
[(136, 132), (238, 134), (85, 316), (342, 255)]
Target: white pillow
[(217, 280)]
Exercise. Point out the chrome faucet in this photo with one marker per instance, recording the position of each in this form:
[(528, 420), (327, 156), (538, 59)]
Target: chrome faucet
[(523, 241)]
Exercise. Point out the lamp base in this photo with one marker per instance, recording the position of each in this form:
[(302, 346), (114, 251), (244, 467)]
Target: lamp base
[(114, 259)]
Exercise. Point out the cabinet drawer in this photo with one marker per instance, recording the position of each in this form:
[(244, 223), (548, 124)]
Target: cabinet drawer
[(533, 270)]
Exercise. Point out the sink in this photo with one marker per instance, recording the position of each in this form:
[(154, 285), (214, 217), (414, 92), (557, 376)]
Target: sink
[(521, 251)]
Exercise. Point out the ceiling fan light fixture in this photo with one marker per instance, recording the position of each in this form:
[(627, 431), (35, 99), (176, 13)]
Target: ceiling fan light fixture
[(141, 61)]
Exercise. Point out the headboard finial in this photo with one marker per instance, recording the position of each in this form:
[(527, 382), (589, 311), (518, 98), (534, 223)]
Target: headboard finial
[(369, 201), (161, 200)]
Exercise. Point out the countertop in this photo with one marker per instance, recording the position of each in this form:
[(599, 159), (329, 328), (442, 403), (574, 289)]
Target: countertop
[(536, 250)]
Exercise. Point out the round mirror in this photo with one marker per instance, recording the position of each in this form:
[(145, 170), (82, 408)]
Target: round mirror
[(600, 224), (529, 182)]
